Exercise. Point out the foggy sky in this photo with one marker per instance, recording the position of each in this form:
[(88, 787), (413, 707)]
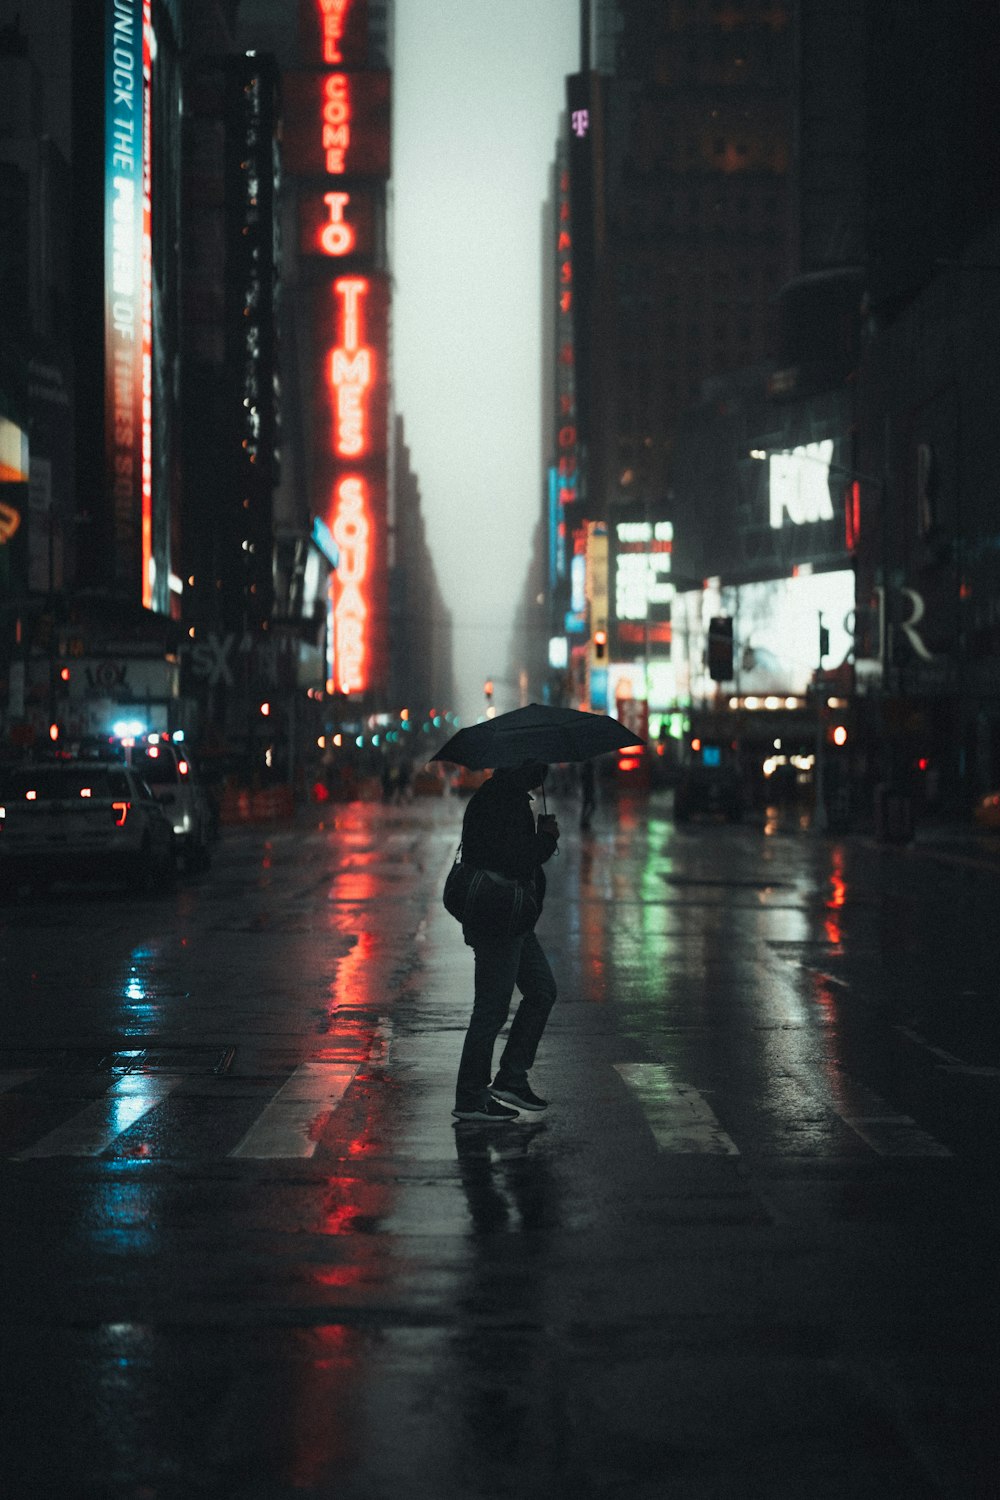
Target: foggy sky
[(478, 91)]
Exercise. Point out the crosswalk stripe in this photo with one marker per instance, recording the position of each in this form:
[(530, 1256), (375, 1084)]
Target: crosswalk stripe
[(289, 1125), (894, 1135), (676, 1113), (884, 1129), (95, 1128)]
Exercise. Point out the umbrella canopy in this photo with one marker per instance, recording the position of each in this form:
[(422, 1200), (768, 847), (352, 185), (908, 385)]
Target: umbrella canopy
[(537, 732)]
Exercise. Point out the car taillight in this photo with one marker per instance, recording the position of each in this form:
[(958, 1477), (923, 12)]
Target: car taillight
[(120, 810), (183, 767)]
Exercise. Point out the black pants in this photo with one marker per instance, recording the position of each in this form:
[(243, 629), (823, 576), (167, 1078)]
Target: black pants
[(500, 964)]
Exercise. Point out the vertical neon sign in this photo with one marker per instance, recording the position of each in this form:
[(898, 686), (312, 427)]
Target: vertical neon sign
[(336, 141), (146, 258), (128, 321), (351, 372), (566, 430)]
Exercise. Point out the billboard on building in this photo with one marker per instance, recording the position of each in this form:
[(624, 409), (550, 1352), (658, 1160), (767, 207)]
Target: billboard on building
[(775, 633), (128, 290), (643, 588)]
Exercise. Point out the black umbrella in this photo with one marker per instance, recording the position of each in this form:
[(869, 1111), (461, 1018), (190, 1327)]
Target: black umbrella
[(537, 732)]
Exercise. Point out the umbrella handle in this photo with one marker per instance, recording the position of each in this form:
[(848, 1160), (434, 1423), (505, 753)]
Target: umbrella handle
[(545, 808)]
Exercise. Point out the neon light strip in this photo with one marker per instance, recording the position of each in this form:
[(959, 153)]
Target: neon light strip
[(146, 257), (352, 532)]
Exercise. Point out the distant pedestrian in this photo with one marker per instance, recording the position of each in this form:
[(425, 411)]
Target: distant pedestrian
[(588, 793), (499, 835), (404, 778)]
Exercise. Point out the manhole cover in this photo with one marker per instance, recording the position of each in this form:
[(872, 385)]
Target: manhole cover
[(170, 1060)]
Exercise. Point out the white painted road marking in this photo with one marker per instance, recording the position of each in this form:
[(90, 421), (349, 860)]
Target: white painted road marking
[(95, 1128), (676, 1113), (894, 1135), (289, 1126), (884, 1129)]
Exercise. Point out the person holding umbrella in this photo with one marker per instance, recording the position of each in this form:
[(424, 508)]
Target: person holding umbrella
[(500, 836)]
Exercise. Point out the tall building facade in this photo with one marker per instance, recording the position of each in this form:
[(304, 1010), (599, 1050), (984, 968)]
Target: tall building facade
[(233, 655), (679, 178), (420, 626), (91, 164)]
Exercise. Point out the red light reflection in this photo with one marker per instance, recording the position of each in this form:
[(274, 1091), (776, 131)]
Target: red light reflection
[(837, 898)]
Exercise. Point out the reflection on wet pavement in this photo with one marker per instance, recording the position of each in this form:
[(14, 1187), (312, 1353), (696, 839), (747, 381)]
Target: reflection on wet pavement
[(250, 1253)]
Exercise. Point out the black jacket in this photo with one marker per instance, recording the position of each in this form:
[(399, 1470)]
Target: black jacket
[(498, 833)]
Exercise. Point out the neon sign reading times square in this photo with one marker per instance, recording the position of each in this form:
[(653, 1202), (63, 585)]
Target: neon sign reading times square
[(128, 256), (351, 373)]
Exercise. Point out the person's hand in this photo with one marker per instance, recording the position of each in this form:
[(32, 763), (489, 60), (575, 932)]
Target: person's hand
[(547, 823)]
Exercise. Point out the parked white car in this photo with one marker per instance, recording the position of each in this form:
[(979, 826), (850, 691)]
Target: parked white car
[(74, 819)]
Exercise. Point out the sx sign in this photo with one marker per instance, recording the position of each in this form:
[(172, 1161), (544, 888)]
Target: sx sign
[(211, 659)]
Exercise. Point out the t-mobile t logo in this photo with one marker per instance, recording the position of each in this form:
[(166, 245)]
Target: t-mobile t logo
[(581, 122)]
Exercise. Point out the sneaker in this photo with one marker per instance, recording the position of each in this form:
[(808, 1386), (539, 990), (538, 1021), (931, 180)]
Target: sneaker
[(521, 1096), (489, 1113)]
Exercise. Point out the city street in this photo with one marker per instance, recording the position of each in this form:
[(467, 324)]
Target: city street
[(750, 1250)]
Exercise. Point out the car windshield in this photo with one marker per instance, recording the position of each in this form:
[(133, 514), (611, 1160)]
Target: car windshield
[(156, 766), (50, 783)]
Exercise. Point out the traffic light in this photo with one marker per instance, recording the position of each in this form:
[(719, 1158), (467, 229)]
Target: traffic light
[(600, 644), (488, 690), (720, 649), (824, 641)]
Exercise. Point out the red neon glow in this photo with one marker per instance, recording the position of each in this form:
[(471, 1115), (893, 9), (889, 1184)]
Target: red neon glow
[(146, 263), (333, 13), (336, 123), (351, 531), (337, 237), (352, 370), (120, 810), (852, 515)]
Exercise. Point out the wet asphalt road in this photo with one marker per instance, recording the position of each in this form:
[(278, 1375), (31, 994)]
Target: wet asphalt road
[(751, 1250)]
